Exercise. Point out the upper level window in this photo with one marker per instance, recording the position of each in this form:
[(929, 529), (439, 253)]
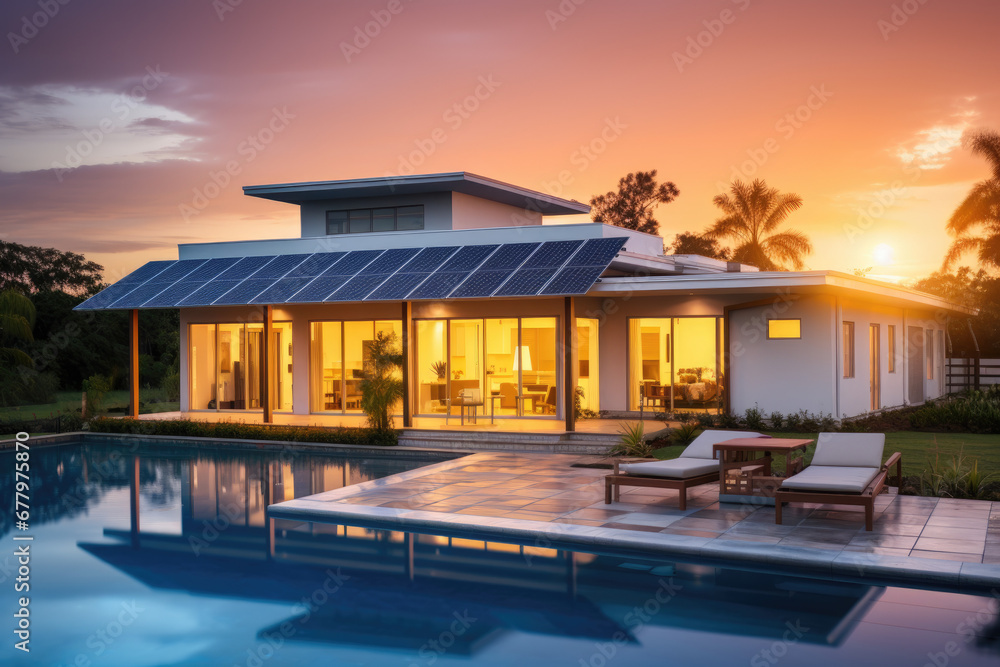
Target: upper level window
[(388, 219), (784, 329)]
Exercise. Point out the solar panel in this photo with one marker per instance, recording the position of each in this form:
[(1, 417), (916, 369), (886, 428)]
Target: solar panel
[(208, 293), (509, 256), (279, 266), (597, 252), (428, 259), (106, 297), (244, 268), (468, 258), (352, 262), (438, 285), (397, 287), (574, 280), (140, 295), (146, 271), (481, 283), (243, 293), (525, 282), (180, 269), (358, 287), (211, 269), (315, 265), (279, 291), (174, 292), (552, 254), (317, 290)]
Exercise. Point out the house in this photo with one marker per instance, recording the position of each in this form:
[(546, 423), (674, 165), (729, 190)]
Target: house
[(489, 302)]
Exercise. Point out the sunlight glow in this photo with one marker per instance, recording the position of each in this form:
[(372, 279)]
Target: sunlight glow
[(883, 254)]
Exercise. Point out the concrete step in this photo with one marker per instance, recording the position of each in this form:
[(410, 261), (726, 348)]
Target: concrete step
[(482, 440)]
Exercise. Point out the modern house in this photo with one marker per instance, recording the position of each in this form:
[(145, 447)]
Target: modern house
[(492, 306)]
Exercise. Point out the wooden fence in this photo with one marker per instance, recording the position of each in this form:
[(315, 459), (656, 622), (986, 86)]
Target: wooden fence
[(971, 373)]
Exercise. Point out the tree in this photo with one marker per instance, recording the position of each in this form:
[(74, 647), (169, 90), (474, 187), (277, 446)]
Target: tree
[(689, 243), (632, 206), (975, 290), (980, 208), (31, 269), (752, 214), (17, 319), (381, 387)]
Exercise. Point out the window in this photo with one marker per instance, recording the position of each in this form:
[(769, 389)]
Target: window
[(387, 219), (848, 349), (226, 366), (891, 332), (339, 351), (675, 364), (929, 346), (784, 329)]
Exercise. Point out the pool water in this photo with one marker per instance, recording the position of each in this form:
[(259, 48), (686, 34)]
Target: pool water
[(165, 556)]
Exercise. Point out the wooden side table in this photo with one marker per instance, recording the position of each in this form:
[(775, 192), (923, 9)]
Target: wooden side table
[(745, 473)]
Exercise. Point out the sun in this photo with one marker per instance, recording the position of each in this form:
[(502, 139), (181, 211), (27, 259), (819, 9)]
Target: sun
[(883, 254)]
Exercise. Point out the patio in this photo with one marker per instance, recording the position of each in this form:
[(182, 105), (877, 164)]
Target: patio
[(530, 488)]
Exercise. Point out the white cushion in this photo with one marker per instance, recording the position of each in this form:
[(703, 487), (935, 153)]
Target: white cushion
[(701, 447), (863, 450), (830, 478), (681, 468)]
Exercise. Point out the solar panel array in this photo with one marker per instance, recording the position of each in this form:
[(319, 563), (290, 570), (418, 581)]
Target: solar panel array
[(549, 268)]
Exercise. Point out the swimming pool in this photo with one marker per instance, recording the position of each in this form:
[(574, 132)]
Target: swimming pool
[(165, 556)]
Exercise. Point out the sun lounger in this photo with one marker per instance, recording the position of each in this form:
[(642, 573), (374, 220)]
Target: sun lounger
[(846, 469), (696, 465)]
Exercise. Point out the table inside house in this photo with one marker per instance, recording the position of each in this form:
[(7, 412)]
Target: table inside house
[(745, 473)]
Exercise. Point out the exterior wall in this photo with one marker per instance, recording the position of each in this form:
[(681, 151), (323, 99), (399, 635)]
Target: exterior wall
[(470, 212), (855, 393), (784, 375), (437, 210)]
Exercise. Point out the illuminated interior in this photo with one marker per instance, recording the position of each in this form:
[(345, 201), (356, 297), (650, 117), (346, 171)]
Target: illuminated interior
[(588, 378), (226, 365), (675, 364), (784, 328), (338, 351), (510, 364)]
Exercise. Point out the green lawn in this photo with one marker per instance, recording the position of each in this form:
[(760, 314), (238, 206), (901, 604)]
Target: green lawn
[(916, 447), (68, 402)]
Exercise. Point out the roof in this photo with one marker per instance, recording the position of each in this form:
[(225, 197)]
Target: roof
[(458, 181)]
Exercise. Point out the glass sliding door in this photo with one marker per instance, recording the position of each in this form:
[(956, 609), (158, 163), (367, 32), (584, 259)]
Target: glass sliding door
[(357, 338), (327, 371), (232, 376), (537, 359), (465, 359), (501, 374), (675, 364), (280, 366), (201, 369), (254, 366), (588, 379), (432, 367)]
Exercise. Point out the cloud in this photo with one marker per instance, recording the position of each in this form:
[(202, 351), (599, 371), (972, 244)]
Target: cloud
[(932, 147)]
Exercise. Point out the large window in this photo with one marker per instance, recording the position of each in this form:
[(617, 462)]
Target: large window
[(338, 354), (891, 333), (929, 346), (588, 378), (848, 344), (675, 363), (226, 366), (388, 219), (511, 363)]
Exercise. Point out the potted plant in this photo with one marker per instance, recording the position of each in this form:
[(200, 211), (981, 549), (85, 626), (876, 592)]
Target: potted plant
[(440, 369)]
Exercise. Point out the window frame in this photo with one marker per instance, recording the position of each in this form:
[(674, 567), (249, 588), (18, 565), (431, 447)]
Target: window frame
[(891, 344), (848, 341), (346, 215)]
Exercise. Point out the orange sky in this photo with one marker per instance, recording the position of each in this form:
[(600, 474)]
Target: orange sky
[(162, 95)]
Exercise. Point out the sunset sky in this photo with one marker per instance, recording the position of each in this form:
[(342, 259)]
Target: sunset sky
[(114, 115)]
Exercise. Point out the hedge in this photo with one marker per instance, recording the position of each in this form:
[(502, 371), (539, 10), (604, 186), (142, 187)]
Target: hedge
[(236, 430)]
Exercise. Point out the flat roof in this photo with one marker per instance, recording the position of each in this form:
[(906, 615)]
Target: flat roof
[(458, 181)]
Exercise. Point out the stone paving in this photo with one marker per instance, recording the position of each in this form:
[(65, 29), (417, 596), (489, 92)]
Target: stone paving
[(547, 488)]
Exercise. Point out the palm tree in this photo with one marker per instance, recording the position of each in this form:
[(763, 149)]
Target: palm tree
[(981, 207), (17, 318), (752, 214)]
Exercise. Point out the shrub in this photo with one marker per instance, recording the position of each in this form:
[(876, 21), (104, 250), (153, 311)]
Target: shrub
[(632, 442), (953, 480), (41, 388), (809, 423), (728, 420), (793, 422), (705, 419), (826, 422), (777, 420), (96, 386), (976, 411), (172, 387), (685, 433), (381, 387), (754, 418), (340, 435)]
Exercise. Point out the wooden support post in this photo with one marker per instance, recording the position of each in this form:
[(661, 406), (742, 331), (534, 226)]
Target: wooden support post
[(569, 364), (133, 364), (266, 367), (407, 336)]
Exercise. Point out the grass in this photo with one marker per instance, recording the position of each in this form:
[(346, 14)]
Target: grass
[(69, 402), (917, 447)]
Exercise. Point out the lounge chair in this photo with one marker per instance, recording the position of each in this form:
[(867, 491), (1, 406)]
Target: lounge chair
[(695, 466), (846, 469)]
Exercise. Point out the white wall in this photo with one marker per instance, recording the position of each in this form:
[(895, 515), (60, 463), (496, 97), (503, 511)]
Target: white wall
[(784, 375), (468, 212)]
